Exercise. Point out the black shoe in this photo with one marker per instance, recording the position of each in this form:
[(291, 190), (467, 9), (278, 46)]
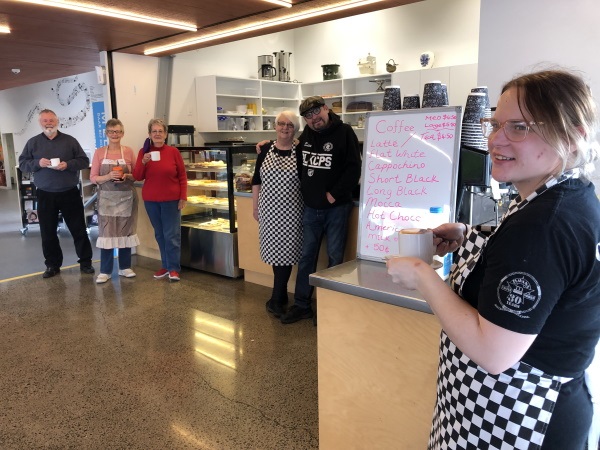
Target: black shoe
[(87, 268), (275, 308), (296, 313), (50, 272)]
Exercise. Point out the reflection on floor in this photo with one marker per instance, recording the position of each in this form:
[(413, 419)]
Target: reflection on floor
[(148, 364)]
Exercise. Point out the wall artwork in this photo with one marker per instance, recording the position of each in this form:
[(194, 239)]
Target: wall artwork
[(66, 91)]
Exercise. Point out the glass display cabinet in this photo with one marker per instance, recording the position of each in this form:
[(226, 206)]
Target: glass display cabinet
[(208, 222)]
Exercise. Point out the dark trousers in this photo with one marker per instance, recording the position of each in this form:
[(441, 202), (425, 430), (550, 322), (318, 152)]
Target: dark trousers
[(69, 203), (281, 276), (316, 223), (571, 419)]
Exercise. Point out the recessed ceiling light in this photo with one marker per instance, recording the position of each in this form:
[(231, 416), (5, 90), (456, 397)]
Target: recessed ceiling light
[(114, 13), (4, 29), (261, 25)]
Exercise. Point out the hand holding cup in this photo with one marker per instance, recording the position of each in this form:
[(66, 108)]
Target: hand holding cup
[(415, 246), (117, 173)]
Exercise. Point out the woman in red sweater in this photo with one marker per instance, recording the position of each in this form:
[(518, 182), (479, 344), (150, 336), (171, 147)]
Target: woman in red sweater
[(164, 194)]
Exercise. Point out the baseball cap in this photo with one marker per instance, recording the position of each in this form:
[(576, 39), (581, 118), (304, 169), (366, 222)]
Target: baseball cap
[(310, 103)]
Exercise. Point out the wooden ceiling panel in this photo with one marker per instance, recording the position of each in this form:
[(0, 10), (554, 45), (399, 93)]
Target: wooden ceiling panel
[(47, 42)]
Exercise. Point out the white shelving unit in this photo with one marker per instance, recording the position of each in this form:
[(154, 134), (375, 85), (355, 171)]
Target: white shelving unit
[(270, 97)]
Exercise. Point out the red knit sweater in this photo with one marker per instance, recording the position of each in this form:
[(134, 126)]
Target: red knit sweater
[(165, 180)]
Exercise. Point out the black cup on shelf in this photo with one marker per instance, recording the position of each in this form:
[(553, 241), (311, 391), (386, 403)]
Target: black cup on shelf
[(411, 102), (392, 99), (433, 94)]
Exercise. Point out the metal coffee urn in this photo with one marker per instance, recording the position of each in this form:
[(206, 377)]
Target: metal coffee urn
[(266, 69), (283, 65)]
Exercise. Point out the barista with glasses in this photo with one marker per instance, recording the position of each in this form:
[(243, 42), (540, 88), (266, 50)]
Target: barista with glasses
[(522, 316)]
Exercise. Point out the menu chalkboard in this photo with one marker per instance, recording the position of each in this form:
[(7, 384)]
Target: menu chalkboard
[(409, 175)]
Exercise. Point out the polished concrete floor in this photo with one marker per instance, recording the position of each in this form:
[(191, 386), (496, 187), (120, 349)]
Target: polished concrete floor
[(146, 364)]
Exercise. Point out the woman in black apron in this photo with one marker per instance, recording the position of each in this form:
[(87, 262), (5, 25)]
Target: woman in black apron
[(523, 316), (112, 168)]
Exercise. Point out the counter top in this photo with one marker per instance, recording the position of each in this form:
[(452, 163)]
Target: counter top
[(370, 280)]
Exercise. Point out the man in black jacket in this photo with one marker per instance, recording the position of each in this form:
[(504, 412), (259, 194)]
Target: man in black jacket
[(329, 165), (57, 191)]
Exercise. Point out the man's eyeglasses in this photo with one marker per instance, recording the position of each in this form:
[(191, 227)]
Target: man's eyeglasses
[(515, 130), (312, 112), (113, 131), (285, 124)]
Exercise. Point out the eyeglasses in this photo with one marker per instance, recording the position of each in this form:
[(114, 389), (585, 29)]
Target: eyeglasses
[(312, 112), (515, 130), (113, 131), (285, 124)]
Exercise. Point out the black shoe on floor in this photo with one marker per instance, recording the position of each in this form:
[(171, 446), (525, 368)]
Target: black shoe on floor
[(296, 313), (50, 272), (275, 308), (87, 268)]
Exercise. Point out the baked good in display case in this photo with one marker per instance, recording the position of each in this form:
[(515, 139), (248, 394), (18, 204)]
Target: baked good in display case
[(243, 182)]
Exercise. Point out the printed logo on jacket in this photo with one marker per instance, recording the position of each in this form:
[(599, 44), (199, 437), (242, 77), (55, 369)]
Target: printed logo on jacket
[(317, 160)]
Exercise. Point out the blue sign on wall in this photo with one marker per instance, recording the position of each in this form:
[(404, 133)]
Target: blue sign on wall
[(99, 124)]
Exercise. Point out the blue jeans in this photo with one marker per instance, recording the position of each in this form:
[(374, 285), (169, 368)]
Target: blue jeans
[(165, 218), (316, 223), (107, 259)]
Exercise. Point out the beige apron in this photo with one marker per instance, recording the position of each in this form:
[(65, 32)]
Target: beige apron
[(117, 208)]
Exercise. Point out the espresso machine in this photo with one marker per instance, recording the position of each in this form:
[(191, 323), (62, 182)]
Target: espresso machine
[(283, 65), (266, 68)]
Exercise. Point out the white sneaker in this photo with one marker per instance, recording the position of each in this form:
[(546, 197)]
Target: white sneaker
[(102, 278), (127, 273)]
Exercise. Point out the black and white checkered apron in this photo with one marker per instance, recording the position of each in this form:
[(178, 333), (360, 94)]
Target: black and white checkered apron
[(280, 208), (477, 410)]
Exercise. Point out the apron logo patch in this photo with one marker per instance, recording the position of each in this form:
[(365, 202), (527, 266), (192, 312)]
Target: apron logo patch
[(518, 293), (328, 147), (310, 172)]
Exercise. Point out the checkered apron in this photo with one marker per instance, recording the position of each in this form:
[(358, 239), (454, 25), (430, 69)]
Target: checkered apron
[(280, 207), (477, 410)]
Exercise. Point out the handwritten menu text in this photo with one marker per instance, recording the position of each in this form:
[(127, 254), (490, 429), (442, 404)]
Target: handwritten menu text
[(408, 165)]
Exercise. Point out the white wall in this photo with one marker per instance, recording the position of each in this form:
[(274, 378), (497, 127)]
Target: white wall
[(135, 78), (69, 97), (448, 28), (519, 36)]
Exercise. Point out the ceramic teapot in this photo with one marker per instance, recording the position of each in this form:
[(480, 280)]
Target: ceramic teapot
[(391, 66)]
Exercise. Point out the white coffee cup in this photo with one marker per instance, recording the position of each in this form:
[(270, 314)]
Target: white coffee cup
[(55, 162), (155, 155), (416, 242)]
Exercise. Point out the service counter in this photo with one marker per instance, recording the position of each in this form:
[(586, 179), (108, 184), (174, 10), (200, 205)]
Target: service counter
[(255, 270), (377, 360)]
